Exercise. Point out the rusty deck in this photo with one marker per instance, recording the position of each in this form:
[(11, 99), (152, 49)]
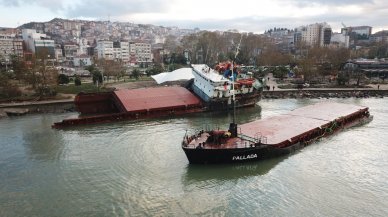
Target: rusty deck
[(148, 99), (133, 104), (299, 125), (299, 121)]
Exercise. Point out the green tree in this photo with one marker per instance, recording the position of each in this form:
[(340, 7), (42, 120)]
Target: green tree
[(95, 73), (77, 81), (63, 79), (7, 88), (156, 69), (343, 77), (136, 74), (19, 67)]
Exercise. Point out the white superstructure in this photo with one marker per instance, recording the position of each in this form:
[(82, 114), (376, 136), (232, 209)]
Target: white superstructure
[(209, 84)]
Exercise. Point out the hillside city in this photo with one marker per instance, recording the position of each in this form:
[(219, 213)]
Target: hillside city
[(82, 48)]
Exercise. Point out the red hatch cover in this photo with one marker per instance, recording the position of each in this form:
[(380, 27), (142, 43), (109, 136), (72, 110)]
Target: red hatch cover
[(155, 98), (283, 127)]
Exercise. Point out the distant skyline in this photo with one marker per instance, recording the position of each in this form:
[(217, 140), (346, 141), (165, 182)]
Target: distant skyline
[(243, 15)]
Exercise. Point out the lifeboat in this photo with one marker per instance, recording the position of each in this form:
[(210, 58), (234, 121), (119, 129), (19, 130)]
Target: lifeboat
[(247, 82)]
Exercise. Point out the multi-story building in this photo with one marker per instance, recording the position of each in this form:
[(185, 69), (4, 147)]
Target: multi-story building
[(380, 37), (10, 45), (105, 49), (38, 43), (83, 46), (124, 51), (360, 31), (121, 50), (82, 60), (339, 40), (109, 50), (59, 54), (318, 34), (141, 51), (70, 50)]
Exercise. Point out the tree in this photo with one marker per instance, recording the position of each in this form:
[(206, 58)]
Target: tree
[(63, 79), (42, 77), (136, 74), (77, 81), (156, 69), (7, 89), (342, 78), (19, 67), (96, 74), (112, 68)]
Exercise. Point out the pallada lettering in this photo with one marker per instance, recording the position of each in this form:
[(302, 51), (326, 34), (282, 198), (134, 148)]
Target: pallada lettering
[(244, 157)]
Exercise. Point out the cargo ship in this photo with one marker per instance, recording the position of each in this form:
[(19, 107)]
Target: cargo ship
[(124, 104), (209, 91), (216, 88), (272, 136)]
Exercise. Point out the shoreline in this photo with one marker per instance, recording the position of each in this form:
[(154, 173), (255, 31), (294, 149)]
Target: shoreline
[(67, 105)]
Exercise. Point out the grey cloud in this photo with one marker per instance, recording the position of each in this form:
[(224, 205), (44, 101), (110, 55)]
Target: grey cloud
[(94, 8), (97, 8), (8, 3), (260, 24), (55, 6), (307, 3)]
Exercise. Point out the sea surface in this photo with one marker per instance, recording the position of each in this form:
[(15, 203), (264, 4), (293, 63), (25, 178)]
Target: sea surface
[(137, 168)]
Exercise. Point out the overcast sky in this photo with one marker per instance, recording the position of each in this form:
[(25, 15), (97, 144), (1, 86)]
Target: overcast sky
[(244, 15)]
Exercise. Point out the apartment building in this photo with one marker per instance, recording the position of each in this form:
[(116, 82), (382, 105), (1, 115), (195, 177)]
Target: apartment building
[(70, 50), (318, 34), (121, 50), (105, 49), (10, 45), (379, 37), (141, 51)]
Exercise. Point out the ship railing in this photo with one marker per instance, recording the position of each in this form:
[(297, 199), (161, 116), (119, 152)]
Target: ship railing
[(248, 138), (262, 139), (258, 138)]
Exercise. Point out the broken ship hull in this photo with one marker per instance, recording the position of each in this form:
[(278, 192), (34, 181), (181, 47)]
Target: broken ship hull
[(133, 104), (275, 136)]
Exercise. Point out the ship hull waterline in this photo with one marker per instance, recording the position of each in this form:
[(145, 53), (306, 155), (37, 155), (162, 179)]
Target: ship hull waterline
[(256, 152)]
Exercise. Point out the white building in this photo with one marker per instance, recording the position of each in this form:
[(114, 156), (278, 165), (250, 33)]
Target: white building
[(110, 50), (141, 51), (105, 50), (121, 51), (37, 42), (10, 45), (340, 40), (82, 60), (70, 50), (318, 34), (124, 51), (83, 46)]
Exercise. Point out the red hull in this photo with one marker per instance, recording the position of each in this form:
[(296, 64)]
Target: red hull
[(132, 104)]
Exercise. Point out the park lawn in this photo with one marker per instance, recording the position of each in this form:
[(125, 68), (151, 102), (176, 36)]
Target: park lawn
[(72, 89)]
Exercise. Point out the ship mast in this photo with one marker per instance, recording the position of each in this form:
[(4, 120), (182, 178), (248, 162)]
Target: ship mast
[(234, 96), (233, 125)]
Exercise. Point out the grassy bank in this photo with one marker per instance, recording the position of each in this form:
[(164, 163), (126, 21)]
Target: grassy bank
[(85, 87)]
